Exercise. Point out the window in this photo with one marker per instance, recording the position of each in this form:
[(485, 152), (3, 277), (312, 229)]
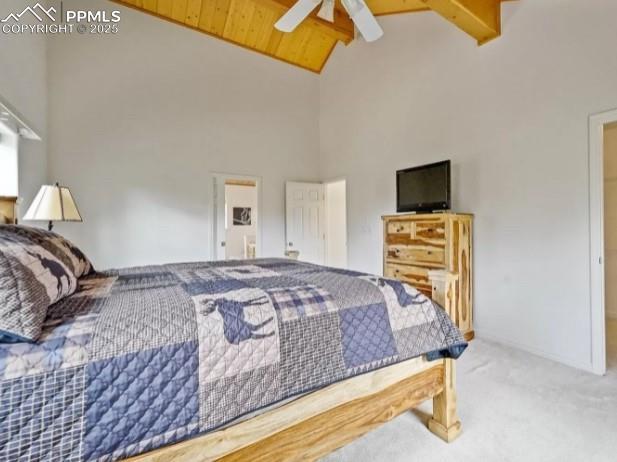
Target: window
[(8, 161)]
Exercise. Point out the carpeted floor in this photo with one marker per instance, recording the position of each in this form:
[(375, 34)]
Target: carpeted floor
[(514, 407)]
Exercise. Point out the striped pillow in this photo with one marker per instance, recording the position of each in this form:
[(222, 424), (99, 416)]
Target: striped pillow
[(57, 245)]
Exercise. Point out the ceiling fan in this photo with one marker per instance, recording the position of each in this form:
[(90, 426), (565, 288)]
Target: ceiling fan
[(357, 10)]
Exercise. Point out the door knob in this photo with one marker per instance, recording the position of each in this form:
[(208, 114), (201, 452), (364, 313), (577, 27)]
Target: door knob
[(222, 243)]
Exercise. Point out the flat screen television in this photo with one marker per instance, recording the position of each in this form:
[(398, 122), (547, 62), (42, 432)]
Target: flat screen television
[(423, 189)]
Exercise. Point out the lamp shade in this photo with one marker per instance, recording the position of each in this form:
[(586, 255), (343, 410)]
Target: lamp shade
[(53, 203)]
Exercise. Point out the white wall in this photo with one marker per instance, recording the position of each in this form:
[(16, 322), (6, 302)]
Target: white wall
[(23, 83), (138, 121), (336, 224), (239, 196), (512, 115), (610, 218)]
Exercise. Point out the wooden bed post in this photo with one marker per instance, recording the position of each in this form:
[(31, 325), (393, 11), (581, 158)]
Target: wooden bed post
[(445, 422)]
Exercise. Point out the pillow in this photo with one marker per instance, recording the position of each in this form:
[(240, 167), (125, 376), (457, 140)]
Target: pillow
[(58, 246), (31, 279)]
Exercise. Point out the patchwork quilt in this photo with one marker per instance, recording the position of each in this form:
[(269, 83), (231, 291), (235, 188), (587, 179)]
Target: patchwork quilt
[(144, 357)]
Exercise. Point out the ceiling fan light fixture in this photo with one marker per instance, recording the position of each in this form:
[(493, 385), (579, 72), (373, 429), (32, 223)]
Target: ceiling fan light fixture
[(358, 11)]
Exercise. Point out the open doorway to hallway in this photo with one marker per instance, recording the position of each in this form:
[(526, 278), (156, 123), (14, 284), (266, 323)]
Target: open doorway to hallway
[(610, 242), (236, 219)]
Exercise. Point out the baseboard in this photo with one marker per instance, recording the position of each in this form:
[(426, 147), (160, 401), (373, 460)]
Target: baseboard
[(587, 367)]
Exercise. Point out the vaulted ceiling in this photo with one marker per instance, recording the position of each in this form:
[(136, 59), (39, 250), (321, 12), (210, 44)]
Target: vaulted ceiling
[(250, 23)]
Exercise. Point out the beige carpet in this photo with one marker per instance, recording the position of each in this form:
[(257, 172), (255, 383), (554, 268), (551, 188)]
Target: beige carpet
[(514, 407)]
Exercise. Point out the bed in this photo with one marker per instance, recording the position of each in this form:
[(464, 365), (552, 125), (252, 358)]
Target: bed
[(267, 359)]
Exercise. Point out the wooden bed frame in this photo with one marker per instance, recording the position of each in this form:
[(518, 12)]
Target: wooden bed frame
[(320, 422)]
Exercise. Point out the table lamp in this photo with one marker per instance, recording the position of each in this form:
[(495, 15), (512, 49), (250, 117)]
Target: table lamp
[(53, 203)]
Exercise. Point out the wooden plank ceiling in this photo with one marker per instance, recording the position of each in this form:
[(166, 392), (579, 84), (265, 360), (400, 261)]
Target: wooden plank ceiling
[(250, 23)]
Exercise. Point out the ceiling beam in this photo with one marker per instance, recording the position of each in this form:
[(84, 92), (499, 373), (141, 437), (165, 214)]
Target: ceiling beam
[(479, 18), (342, 28), (384, 7)]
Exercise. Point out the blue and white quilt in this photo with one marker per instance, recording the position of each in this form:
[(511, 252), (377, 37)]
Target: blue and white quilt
[(144, 357)]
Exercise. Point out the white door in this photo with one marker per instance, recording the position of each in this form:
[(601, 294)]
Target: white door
[(305, 220), (336, 224)]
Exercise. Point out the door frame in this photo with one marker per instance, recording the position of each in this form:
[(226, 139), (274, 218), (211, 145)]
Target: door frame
[(326, 183), (596, 241), (215, 177)]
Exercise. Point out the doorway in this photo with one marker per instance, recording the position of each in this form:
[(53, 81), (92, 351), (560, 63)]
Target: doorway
[(603, 239), (336, 223), (305, 230), (316, 222), (610, 242), (236, 217)]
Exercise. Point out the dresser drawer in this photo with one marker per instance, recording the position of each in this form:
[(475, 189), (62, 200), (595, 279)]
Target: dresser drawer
[(399, 227), (416, 232), (419, 254), (413, 275), (431, 230)]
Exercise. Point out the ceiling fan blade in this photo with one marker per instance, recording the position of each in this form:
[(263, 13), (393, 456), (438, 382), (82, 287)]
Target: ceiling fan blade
[(296, 14), (327, 10), (363, 19)]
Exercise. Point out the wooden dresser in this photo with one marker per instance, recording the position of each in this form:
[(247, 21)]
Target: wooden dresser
[(8, 210), (415, 244)]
